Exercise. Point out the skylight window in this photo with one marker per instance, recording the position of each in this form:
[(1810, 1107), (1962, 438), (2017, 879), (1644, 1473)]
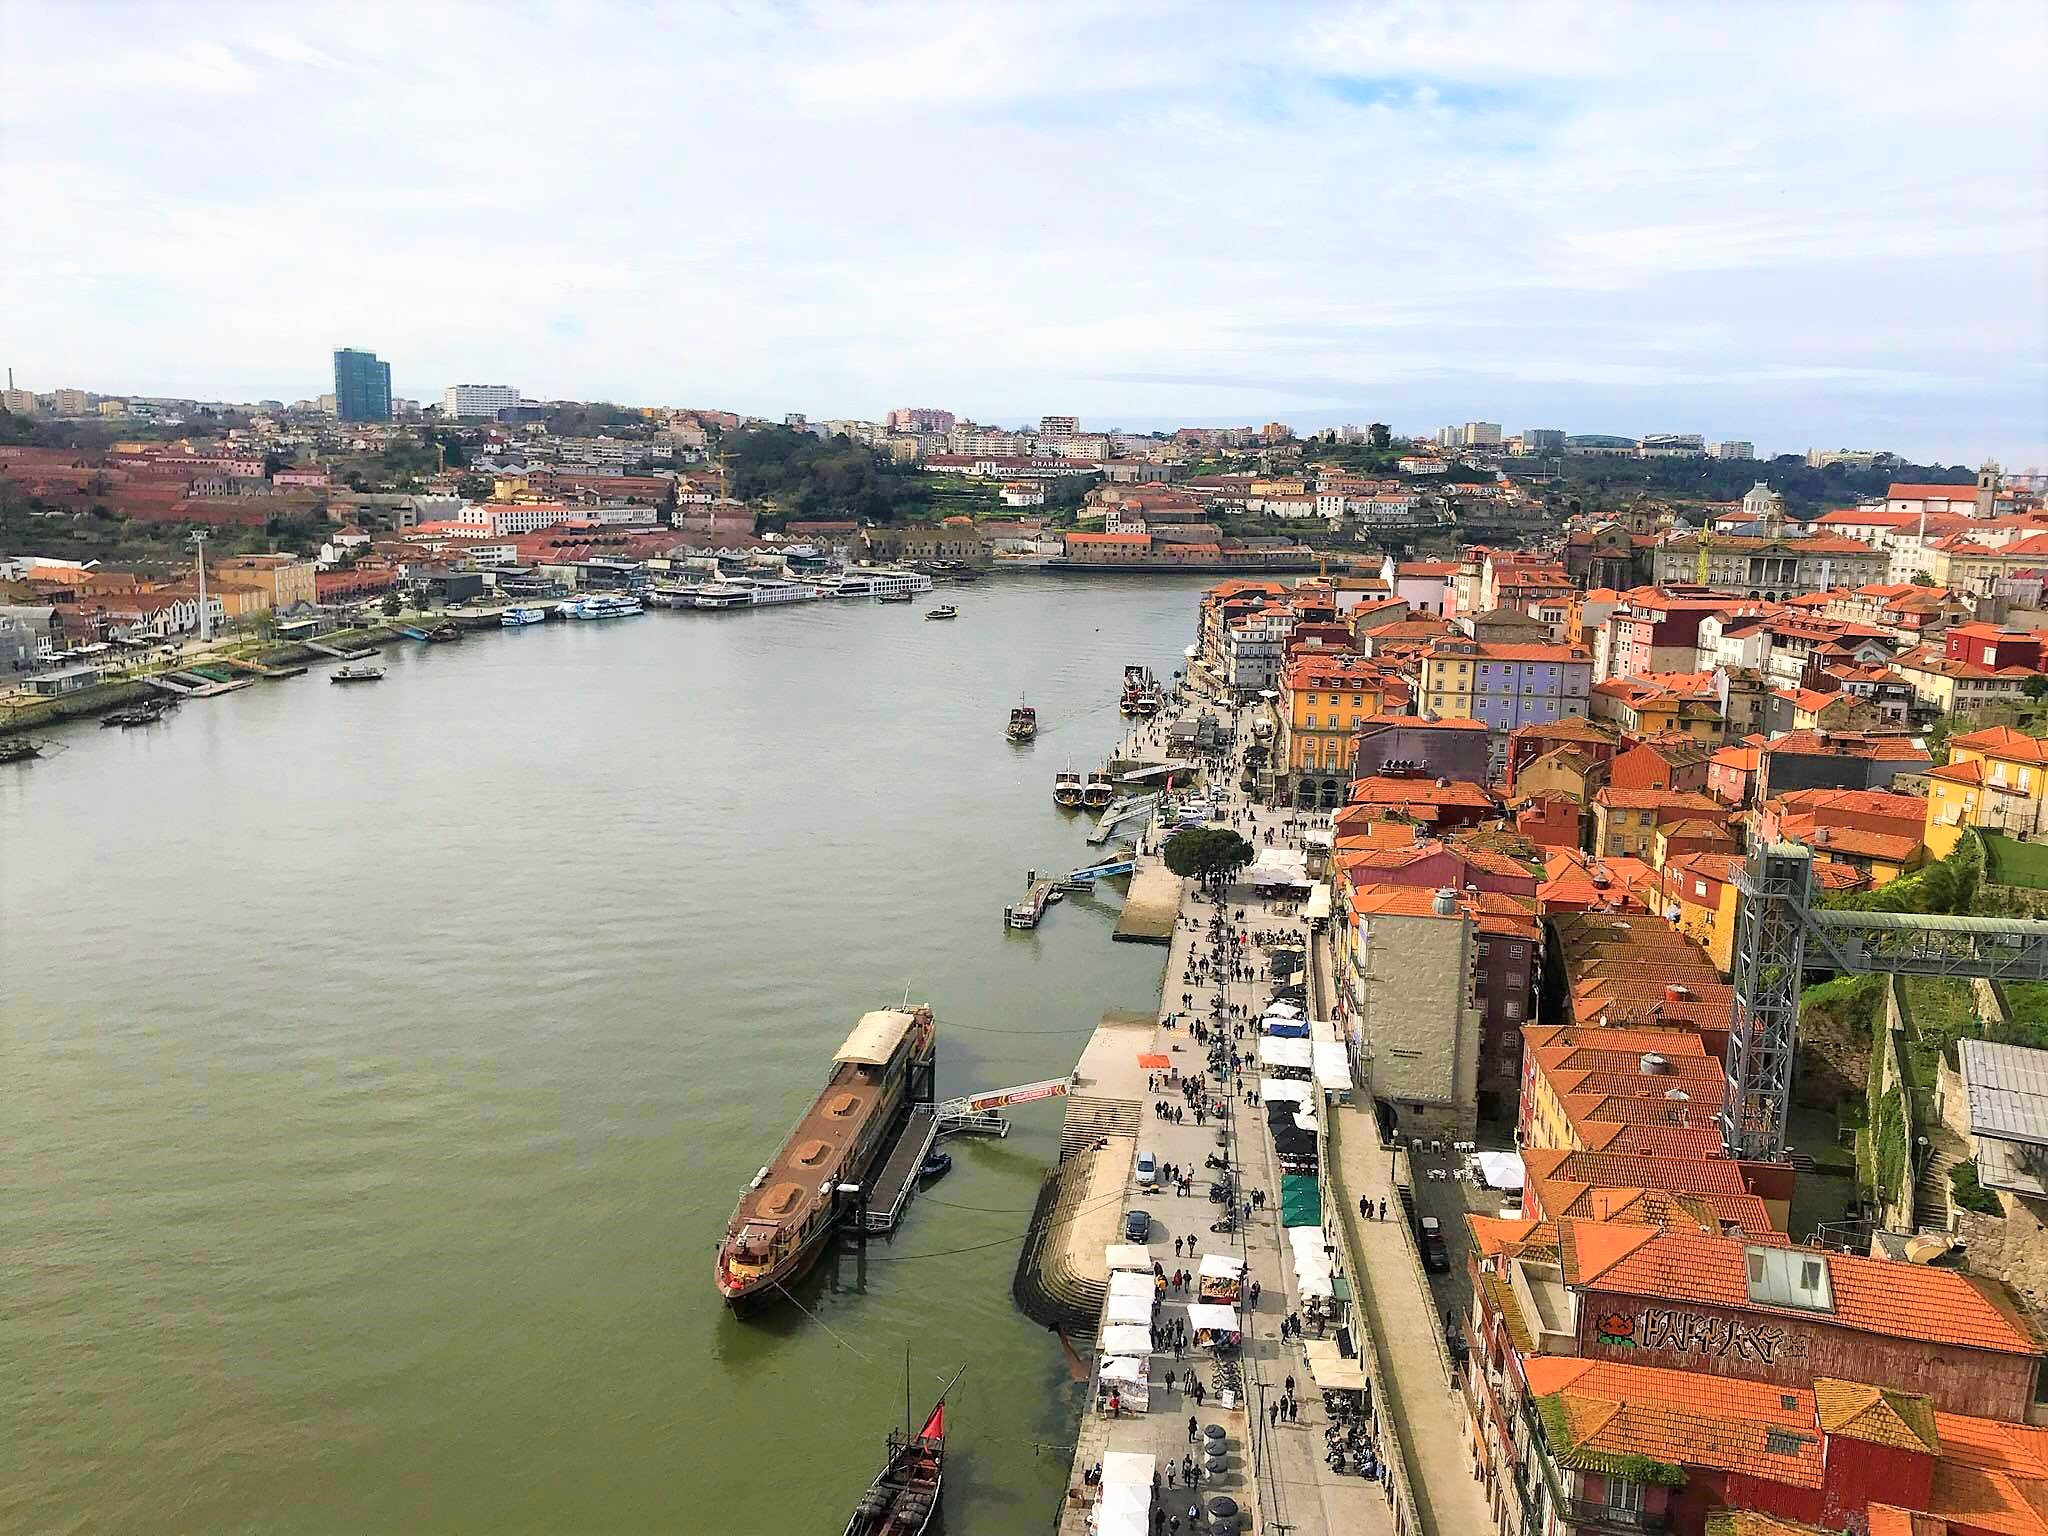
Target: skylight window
[(1790, 1277)]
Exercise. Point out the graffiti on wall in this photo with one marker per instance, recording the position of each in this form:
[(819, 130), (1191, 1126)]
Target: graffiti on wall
[(1699, 1333)]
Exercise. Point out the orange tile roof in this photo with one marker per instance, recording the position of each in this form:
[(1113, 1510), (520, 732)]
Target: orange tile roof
[(1680, 1417), (1936, 1306), (1859, 1411), (2004, 743)]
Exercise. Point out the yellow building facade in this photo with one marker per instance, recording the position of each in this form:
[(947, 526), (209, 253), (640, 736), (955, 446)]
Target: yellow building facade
[(1996, 780)]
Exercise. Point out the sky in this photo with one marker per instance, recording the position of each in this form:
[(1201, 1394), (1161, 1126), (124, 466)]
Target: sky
[(1806, 225)]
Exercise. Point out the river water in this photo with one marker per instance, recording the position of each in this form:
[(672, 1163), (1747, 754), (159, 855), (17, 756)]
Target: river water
[(383, 1063)]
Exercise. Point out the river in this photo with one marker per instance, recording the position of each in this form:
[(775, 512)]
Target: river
[(383, 1063)]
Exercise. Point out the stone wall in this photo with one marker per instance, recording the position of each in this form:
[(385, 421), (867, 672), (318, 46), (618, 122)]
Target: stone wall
[(2012, 1248)]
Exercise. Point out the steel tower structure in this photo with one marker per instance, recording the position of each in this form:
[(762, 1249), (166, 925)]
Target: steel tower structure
[(1774, 925)]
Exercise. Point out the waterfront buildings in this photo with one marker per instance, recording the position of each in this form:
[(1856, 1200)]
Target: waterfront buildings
[(362, 386), (1325, 697)]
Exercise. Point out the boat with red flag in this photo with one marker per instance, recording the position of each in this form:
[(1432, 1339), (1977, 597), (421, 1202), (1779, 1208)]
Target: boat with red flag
[(904, 1499)]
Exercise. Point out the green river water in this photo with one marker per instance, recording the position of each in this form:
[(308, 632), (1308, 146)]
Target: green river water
[(383, 1062)]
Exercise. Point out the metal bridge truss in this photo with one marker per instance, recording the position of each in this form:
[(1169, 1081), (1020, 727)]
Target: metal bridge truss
[(1776, 922)]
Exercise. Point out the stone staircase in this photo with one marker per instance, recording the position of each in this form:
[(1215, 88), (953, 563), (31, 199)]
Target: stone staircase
[(1931, 1211), (1048, 1289), (1090, 1119)]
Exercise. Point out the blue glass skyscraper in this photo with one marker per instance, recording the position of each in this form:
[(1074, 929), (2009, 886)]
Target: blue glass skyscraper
[(362, 386)]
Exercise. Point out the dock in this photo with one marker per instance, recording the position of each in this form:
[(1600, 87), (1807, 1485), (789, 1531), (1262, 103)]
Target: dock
[(888, 1193), (1029, 912), (360, 653)]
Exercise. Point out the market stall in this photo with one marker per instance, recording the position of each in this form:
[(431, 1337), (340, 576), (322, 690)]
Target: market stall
[(1301, 1201), (1287, 1090), (1130, 1378), (1287, 1057), (1133, 1310), (1220, 1278), (1127, 1339), (1129, 1285), (1128, 1256), (1125, 1507), (1214, 1327)]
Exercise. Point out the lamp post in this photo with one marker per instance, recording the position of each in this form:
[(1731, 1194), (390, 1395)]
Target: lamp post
[(205, 618)]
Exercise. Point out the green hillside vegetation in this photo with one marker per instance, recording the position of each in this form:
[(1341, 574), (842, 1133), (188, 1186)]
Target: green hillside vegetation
[(812, 477)]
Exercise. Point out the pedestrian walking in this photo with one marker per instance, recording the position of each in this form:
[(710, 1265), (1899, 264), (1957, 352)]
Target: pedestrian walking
[(1383, 1210), (1274, 1417), (1365, 1207), (1191, 1429)]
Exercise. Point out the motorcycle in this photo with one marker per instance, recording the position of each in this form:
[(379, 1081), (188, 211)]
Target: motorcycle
[(1227, 1224)]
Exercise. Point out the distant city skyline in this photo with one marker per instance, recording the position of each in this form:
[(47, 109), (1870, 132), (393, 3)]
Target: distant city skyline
[(1614, 217)]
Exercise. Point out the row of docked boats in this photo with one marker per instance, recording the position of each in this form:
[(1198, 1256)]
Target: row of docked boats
[(1070, 792), (1142, 696)]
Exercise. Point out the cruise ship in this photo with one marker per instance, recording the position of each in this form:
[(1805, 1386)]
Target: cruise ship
[(788, 1210), (601, 605), (873, 581)]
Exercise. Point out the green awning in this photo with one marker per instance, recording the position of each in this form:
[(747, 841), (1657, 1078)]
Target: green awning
[(1301, 1201)]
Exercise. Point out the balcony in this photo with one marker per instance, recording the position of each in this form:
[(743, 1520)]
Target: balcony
[(1583, 1515)]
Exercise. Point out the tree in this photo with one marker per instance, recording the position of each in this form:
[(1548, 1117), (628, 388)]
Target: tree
[(2035, 687), (1209, 854), (391, 604), (1379, 434)]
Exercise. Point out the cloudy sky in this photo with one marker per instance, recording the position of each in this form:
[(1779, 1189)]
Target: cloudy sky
[(1805, 225)]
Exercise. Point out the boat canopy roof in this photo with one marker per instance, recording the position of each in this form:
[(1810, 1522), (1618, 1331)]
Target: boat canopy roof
[(875, 1037)]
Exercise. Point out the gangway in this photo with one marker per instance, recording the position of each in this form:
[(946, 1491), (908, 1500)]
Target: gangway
[(888, 1196), (1127, 809), (976, 1113), (1084, 878)]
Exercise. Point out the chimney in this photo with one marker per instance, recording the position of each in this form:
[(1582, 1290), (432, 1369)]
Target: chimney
[(1445, 902), (1676, 992), (1653, 1065)]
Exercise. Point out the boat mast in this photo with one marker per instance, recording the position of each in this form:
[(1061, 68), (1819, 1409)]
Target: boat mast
[(909, 1428)]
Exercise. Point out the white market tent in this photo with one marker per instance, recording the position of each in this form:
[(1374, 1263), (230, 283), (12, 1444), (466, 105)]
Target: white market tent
[(1123, 1370), (1318, 903), (1127, 1339), (1307, 1122), (1125, 1509), (1138, 1287), (1277, 866), (1206, 1318), (1220, 1266), (1275, 1090), (1128, 1256), (1134, 1310), (1307, 1241), (1283, 1011), (1332, 1067), (1322, 1029), (1275, 1052)]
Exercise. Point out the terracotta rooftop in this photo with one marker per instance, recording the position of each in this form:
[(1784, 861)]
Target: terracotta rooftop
[(1937, 1306)]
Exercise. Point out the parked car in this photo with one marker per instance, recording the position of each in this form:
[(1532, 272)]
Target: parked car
[(1137, 1225), (1148, 1170), (1435, 1257)]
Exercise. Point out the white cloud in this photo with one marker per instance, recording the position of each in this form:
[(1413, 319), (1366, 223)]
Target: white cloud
[(1753, 219)]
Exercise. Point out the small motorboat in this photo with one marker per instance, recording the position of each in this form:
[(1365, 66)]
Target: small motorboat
[(443, 634), (1023, 723), (1098, 792), (895, 595), (936, 1165), (19, 749), (943, 611), (1066, 789), (514, 618), (356, 674)]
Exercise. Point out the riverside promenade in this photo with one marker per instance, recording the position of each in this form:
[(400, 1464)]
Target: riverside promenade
[(1274, 1466), (1429, 1484)]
